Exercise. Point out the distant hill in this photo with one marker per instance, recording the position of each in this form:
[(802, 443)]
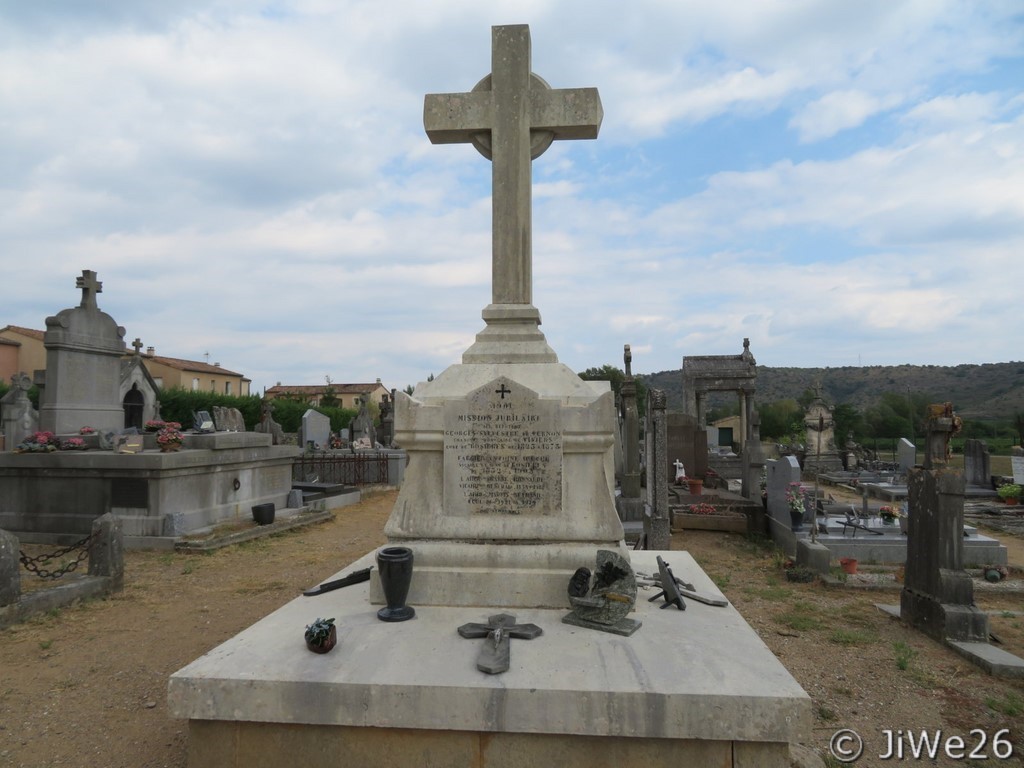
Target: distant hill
[(989, 391)]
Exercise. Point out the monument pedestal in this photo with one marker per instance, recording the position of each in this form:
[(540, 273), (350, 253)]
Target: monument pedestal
[(693, 688), (510, 483)]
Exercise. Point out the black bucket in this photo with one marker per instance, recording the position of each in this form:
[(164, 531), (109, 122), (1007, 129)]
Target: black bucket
[(263, 514)]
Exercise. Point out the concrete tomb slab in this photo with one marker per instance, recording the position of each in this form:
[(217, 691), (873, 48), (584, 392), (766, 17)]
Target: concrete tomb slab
[(701, 675)]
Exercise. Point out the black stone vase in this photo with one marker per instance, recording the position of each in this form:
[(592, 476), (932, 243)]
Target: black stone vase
[(394, 564), (796, 520)]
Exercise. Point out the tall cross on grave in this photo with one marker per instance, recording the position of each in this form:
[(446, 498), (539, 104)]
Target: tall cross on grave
[(90, 287), (511, 117)]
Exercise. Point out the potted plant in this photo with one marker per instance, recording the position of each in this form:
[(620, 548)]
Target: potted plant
[(73, 444), (1010, 493), (795, 500), (889, 514), (321, 636), (169, 438), (40, 442)]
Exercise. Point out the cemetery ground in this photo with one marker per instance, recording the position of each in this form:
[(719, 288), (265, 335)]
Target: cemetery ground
[(86, 685)]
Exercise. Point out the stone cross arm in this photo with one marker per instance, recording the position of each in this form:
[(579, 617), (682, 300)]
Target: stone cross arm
[(567, 113)]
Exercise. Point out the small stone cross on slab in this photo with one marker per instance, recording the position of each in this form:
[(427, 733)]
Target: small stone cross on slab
[(511, 117), (90, 287), (495, 655)]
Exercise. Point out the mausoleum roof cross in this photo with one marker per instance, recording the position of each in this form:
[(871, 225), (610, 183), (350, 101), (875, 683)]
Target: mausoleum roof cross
[(511, 117), (138, 345), (90, 287)]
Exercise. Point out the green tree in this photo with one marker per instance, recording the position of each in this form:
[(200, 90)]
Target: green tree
[(780, 418), (330, 396), (616, 376), (848, 420)]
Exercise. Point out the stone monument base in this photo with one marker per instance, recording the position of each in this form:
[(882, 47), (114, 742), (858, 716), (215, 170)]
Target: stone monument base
[(693, 688), (493, 574), (216, 478)]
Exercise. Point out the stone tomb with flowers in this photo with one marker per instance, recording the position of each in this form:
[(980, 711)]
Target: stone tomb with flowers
[(509, 490), (54, 495)]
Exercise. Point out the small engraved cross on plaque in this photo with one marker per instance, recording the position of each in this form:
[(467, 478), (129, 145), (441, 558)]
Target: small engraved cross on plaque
[(503, 391), (499, 630)]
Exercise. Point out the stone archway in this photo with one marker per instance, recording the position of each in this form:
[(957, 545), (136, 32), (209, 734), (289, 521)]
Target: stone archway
[(133, 403), (721, 373)]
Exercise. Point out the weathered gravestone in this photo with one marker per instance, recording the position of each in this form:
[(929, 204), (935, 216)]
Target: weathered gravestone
[(938, 594), (687, 442), (977, 463), (906, 455), (267, 425), (84, 347), (782, 473), (17, 416), (363, 431), (821, 454), (315, 429), (10, 569)]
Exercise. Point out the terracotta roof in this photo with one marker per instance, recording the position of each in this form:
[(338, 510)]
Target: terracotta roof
[(30, 332), (190, 365)]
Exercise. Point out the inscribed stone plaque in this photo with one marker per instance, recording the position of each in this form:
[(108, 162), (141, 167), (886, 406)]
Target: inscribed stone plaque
[(502, 452), (1017, 462)]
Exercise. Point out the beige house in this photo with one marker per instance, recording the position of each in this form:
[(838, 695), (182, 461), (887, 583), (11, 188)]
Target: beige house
[(21, 350), (346, 394), (29, 355), (170, 372)]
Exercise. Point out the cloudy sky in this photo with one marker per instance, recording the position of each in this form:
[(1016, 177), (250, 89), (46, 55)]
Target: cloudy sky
[(841, 182)]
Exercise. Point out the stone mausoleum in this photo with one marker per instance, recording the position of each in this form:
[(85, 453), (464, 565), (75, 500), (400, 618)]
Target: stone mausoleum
[(157, 496)]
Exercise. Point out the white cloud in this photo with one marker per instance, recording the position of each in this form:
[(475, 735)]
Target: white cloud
[(837, 111)]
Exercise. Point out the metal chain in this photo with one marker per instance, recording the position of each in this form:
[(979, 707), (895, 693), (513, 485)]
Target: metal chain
[(33, 564)]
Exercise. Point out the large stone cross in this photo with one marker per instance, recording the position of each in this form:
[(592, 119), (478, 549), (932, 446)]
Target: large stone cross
[(511, 117), (90, 287), (495, 656)]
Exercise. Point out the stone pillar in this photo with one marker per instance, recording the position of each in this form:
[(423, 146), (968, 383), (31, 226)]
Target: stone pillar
[(10, 569), (753, 462), (744, 421), (656, 521), (631, 442), (106, 554), (938, 595)]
